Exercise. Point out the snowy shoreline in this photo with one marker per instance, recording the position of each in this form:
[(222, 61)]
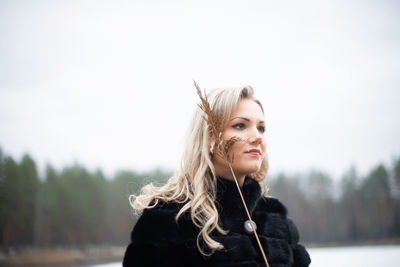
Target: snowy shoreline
[(98, 255), (62, 256)]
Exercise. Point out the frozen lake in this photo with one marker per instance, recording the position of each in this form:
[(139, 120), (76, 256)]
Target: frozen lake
[(368, 256)]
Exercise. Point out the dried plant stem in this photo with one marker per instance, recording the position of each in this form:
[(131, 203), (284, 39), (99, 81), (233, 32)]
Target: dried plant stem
[(248, 215)]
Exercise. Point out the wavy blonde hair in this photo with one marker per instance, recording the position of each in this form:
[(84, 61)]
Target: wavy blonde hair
[(194, 184)]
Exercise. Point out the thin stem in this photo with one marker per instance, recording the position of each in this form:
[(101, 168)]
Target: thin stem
[(248, 215)]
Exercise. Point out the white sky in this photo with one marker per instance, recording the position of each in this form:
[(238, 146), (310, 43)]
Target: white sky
[(109, 83)]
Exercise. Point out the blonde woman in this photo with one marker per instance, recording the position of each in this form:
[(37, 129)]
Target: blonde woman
[(198, 218)]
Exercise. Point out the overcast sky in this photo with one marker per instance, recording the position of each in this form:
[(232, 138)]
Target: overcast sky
[(108, 84)]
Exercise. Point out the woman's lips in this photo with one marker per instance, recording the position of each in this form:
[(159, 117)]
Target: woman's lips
[(254, 152)]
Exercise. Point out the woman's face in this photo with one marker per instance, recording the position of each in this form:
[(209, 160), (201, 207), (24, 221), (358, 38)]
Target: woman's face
[(247, 123)]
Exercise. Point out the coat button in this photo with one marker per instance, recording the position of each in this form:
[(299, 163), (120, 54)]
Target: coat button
[(247, 226)]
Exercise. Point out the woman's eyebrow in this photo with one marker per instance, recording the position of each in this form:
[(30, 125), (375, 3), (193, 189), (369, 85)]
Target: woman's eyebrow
[(243, 118), (246, 119)]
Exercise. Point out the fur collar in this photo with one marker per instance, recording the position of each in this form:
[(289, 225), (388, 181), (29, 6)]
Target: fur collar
[(228, 198), (229, 203)]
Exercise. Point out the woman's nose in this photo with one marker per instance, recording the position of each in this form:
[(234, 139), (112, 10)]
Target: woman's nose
[(255, 136)]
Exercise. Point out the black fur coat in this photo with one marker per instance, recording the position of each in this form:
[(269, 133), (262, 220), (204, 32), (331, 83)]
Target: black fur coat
[(158, 240)]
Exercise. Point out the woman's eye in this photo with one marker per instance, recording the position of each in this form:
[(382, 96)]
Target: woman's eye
[(239, 126), (261, 129)]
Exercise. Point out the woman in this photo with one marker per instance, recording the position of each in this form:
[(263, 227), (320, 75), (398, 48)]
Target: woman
[(198, 218)]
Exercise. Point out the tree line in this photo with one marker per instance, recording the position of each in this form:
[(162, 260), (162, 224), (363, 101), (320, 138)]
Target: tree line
[(66, 208), (74, 207), (357, 209)]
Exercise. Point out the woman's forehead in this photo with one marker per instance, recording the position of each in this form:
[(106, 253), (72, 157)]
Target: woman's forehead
[(248, 108)]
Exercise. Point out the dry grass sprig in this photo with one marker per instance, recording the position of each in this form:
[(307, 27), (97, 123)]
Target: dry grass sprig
[(215, 130), (214, 126), (226, 146)]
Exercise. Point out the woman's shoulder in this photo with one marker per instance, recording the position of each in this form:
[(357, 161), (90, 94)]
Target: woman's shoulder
[(157, 237), (160, 218), (161, 207), (280, 226)]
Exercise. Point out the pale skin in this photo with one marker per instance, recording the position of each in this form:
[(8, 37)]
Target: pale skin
[(247, 122)]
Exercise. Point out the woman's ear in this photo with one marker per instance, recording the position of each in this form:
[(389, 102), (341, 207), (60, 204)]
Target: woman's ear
[(212, 144)]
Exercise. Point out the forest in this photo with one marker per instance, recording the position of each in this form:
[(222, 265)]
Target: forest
[(74, 207)]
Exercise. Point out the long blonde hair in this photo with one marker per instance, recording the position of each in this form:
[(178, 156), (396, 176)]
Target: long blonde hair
[(194, 184)]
